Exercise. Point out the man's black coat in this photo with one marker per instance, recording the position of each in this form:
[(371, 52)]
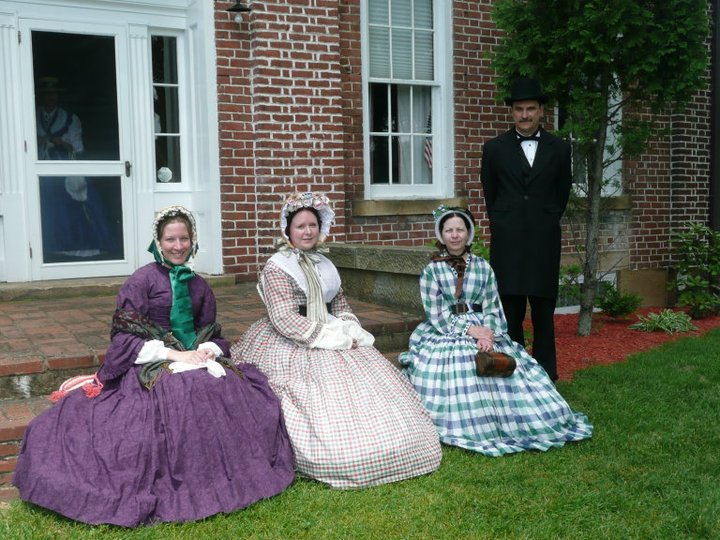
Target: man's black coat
[(524, 205)]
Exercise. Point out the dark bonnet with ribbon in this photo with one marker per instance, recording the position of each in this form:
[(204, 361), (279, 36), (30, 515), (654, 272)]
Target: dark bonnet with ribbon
[(441, 214), (181, 316)]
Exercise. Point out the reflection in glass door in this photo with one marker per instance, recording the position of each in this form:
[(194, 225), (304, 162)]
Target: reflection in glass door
[(81, 215), (81, 220)]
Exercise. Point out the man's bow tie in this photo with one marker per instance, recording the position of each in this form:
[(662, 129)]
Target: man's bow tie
[(522, 138)]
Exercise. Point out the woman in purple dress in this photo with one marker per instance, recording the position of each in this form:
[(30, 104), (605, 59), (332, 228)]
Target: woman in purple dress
[(176, 433)]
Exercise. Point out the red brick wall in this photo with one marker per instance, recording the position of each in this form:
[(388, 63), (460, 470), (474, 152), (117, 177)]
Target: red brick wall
[(281, 120), (480, 114), (290, 92)]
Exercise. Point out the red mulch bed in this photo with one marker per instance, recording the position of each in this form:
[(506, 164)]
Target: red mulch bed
[(610, 340)]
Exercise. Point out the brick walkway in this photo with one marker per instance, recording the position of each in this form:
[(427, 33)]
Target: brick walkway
[(66, 333), (40, 338)]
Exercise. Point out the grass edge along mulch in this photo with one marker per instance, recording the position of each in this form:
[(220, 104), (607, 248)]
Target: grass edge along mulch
[(611, 340), (650, 471)]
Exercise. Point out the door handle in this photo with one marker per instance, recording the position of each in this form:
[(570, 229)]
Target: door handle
[(128, 168)]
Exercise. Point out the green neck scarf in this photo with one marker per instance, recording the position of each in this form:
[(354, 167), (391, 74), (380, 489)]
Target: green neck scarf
[(181, 314)]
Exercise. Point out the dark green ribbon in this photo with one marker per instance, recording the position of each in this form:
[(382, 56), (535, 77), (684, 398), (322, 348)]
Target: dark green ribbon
[(181, 315)]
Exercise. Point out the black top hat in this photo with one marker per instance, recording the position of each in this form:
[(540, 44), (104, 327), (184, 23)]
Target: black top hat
[(48, 85), (524, 90)]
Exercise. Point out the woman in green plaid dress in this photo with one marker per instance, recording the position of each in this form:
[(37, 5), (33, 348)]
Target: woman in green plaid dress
[(490, 415)]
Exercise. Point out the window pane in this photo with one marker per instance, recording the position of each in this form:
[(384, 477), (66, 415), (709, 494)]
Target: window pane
[(404, 159), (422, 99), (164, 59), (167, 158), (379, 52), (167, 110), (402, 54), (378, 12), (81, 218), (379, 160), (76, 96), (424, 55), (401, 13), (379, 117), (423, 14), (423, 160)]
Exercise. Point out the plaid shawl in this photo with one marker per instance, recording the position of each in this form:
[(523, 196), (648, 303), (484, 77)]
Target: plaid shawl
[(137, 324)]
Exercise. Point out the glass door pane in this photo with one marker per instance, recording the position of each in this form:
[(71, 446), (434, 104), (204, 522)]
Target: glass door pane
[(76, 96), (81, 219)]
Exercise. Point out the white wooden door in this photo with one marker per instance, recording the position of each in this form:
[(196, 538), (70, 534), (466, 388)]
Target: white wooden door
[(78, 157)]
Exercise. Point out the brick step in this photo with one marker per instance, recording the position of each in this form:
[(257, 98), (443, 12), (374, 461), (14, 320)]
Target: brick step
[(22, 378), (15, 415), (25, 375)]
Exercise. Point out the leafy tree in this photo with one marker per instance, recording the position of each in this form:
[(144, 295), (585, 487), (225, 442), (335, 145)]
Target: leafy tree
[(603, 60)]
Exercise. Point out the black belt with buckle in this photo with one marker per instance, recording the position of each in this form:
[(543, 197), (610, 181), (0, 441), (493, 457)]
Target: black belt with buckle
[(302, 309), (459, 309)]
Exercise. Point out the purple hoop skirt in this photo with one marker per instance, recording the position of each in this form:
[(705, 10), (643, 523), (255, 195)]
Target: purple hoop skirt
[(189, 448)]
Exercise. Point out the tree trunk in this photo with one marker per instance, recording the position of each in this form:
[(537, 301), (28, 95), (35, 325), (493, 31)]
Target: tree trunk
[(588, 289), (592, 258)]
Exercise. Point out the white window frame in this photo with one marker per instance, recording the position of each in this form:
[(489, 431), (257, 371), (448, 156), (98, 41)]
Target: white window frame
[(442, 184), (612, 176), (183, 110)]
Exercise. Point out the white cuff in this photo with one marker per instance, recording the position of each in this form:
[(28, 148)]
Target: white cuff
[(152, 351)]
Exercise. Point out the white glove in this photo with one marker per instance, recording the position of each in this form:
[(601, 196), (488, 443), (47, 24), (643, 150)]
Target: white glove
[(358, 333), (332, 336), (214, 369), (212, 346)]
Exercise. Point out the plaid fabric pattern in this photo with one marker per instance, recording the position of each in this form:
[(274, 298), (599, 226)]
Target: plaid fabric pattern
[(490, 415), (353, 419)]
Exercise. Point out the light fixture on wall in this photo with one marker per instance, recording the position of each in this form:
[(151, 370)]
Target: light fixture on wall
[(238, 9)]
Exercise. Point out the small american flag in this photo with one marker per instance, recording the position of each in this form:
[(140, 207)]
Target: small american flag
[(427, 147)]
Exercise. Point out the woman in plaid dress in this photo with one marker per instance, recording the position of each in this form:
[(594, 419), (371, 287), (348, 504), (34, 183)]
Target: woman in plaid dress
[(354, 420), (490, 415)]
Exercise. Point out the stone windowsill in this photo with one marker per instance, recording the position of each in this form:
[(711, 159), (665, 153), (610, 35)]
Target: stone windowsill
[(406, 207)]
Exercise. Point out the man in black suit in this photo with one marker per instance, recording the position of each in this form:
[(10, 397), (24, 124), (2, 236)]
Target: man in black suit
[(526, 177)]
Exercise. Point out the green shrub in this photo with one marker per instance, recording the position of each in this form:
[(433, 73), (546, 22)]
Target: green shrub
[(667, 320), (569, 289), (697, 250), (479, 248), (615, 304)]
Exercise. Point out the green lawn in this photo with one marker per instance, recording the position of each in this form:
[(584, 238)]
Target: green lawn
[(652, 470)]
